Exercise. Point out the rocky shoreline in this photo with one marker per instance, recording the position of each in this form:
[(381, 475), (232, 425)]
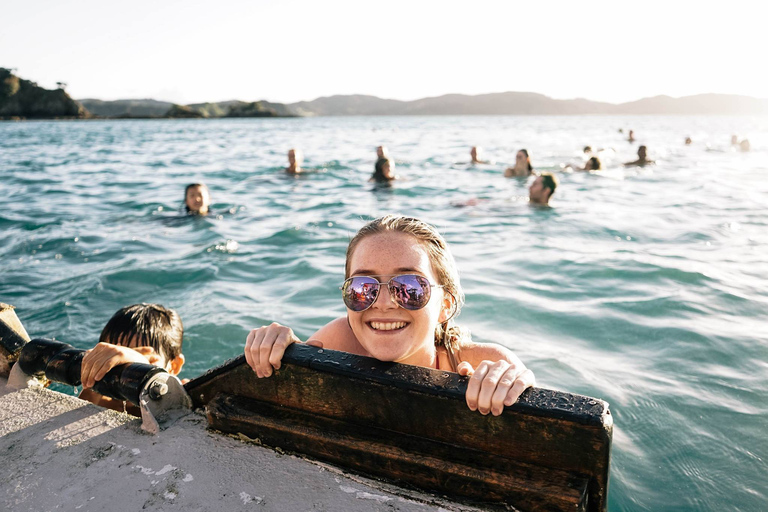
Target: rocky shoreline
[(25, 100)]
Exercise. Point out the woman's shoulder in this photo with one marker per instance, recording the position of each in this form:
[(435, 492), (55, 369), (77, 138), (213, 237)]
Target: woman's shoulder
[(475, 352), (337, 335)]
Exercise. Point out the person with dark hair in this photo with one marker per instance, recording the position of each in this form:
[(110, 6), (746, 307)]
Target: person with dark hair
[(384, 171), (197, 199), (587, 150), (631, 137), (542, 189), (141, 333), (642, 158), (593, 164), (522, 165)]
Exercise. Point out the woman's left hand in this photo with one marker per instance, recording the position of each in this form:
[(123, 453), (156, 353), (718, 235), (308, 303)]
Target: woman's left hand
[(495, 384)]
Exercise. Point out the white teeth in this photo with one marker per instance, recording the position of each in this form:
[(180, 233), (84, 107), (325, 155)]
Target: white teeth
[(387, 326)]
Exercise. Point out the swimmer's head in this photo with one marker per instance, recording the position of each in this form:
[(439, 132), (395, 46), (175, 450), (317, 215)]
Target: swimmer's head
[(744, 145), (734, 139), (295, 157), (523, 158), (197, 199), (542, 188), (441, 261), (688, 141), (148, 325), (475, 153), (593, 164), (381, 152), (587, 150), (642, 152)]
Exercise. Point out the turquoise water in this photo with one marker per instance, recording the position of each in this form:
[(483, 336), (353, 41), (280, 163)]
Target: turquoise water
[(647, 288)]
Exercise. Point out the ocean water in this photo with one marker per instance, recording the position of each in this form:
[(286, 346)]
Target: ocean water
[(644, 287)]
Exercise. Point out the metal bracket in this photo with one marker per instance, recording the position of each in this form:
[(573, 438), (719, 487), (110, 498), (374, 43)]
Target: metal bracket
[(163, 401)]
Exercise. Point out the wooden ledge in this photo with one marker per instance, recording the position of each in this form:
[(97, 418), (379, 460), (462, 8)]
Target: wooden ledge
[(549, 451)]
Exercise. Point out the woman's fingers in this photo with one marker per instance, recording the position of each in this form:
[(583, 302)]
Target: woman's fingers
[(265, 351), (252, 346), (465, 369), (496, 384), (475, 384), (491, 381), (524, 381), (501, 393), (265, 347), (284, 338)]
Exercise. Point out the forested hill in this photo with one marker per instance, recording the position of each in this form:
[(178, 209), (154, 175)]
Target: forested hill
[(22, 99)]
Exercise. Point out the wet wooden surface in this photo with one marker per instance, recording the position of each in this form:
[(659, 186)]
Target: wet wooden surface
[(549, 451)]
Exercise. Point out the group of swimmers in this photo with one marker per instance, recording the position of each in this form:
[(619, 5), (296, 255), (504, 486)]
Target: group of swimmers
[(402, 294), (197, 197)]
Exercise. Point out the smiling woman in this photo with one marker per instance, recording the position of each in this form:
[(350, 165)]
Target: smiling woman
[(402, 292)]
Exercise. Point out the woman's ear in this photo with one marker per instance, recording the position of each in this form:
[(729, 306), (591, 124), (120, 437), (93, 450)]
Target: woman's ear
[(448, 309), (176, 364)]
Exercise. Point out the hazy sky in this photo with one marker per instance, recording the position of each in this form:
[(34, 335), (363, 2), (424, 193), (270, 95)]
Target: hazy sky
[(193, 51)]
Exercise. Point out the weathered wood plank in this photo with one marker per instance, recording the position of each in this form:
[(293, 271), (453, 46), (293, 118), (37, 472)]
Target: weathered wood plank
[(404, 459), (546, 429)]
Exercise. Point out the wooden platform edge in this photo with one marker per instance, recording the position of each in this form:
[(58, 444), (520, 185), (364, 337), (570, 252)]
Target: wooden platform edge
[(547, 403)]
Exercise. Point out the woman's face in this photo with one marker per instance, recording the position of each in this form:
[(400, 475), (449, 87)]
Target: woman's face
[(198, 200), (521, 159), (387, 331)]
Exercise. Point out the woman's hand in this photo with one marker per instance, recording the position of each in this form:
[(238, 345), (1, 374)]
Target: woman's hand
[(103, 357), (265, 346), (495, 384)]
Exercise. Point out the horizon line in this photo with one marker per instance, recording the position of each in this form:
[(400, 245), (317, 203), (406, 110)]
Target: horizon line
[(438, 96)]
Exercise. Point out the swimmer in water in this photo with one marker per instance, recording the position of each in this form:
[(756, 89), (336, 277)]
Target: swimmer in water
[(522, 166), (593, 164), (475, 152), (402, 293), (631, 136), (688, 141), (744, 145), (587, 150), (384, 172), (197, 199), (734, 140), (142, 333), (294, 161), (381, 152), (542, 189), (642, 158)]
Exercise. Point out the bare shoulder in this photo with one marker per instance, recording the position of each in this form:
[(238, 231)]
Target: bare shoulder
[(338, 335), (474, 353)]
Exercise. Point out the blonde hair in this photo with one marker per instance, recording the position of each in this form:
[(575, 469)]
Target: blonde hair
[(447, 334)]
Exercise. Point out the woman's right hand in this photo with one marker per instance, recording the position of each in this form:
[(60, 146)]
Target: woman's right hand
[(265, 346)]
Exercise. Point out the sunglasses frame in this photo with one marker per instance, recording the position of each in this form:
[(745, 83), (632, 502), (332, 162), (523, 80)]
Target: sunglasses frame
[(391, 295)]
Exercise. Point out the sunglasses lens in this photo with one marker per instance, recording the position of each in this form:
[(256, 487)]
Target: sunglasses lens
[(410, 291), (360, 292)]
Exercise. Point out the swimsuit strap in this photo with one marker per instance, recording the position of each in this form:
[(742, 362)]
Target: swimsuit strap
[(451, 357), (454, 362)]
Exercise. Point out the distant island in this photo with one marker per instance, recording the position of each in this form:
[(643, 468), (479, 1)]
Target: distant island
[(22, 99)]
